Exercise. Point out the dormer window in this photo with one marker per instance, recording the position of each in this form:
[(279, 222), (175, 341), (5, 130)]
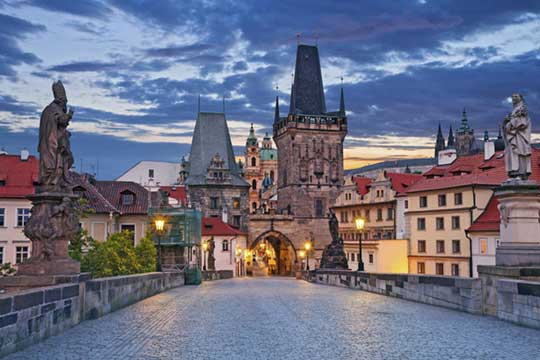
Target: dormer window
[(127, 198), (79, 191), (150, 173), (2, 182)]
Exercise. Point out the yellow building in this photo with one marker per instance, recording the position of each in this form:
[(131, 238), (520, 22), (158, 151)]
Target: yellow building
[(384, 249), (441, 206)]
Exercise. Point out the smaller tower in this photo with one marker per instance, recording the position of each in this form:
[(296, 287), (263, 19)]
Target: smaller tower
[(439, 143), (451, 144), (464, 137)]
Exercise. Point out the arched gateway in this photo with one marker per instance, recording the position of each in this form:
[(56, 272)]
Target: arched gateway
[(273, 254)]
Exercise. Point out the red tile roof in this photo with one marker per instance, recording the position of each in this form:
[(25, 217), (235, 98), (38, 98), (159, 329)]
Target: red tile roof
[(401, 182), (471, 170), (489, 220), (362, 184), (113, 190), (19, 176), (176, 192), (96, 201), (215, 226)]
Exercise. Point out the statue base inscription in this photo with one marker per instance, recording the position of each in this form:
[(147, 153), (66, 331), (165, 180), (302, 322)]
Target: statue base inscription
[(519, 205), (51, 226)]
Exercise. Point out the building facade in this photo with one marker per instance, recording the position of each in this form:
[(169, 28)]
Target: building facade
[(153, 173), (260, 170), (485, 236), (214, 183)]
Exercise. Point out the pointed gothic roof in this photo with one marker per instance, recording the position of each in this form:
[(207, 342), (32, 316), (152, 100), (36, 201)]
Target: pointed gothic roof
[(307, 94), (464, 128), (211, 137), (451, 140), (342, 103), (439, 143), (251, 139)]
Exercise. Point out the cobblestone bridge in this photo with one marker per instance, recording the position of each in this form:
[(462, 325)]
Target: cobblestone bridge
[(280, 318)]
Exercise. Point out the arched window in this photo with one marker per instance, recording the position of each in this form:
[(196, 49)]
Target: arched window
[(254, 161), (225, 245), (254, 184), (254, 205), (272, 175)]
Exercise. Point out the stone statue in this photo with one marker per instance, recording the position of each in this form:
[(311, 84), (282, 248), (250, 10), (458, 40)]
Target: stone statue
[(333, 224), (333, 256), (55, 157), (54, 220), (517, 138), (211, 258)]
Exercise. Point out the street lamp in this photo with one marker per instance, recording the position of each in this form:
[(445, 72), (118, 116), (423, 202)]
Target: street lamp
[(205, 247), (307, 247), (360, 223), (160, 225), (302, 254)]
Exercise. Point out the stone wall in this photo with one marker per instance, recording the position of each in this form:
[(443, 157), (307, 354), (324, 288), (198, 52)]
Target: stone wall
[(28, 316), (462, 294), (519, 302), (217, 275)]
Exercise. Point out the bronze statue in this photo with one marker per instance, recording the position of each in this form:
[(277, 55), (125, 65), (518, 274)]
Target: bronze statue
[(333, 256), (55, 157), (517, 138), (333, 224)]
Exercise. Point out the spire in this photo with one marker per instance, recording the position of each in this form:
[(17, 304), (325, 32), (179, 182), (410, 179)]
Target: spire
[(342, 101), (276, 115), (251, 139), (451, 139), (439, 143), (292, 105), (308, 92), (464, 122), (486, 135)]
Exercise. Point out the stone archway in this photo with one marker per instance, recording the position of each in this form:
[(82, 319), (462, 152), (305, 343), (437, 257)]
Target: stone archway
[(281, 252)]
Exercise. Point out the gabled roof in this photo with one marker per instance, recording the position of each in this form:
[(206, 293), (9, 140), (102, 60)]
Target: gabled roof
[(112, 191), (307, 93), (211, 137), (96, 201), (401, 182), (18, 176), (362, 184), (489, 220), (215, 226)]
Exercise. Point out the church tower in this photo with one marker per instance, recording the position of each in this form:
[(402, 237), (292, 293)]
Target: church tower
[(464, 137), (310, 143)]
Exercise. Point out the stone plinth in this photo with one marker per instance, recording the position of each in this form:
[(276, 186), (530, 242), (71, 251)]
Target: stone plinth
[(519, 205)]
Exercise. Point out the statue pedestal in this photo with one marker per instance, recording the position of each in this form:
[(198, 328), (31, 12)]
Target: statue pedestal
[(519, 205), (334, 257)]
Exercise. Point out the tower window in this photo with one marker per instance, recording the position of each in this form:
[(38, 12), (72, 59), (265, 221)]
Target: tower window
[(254, 161), (254, 184), (318, 207), (150, 173)]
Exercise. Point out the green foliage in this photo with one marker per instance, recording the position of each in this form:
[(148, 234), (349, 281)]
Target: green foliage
[(147, 253), (7, 270), (117, 256), (79, 244)]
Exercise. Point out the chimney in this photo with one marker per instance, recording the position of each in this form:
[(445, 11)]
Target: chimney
[(225, 215), (24, 154), (489, 149), (446, 157)]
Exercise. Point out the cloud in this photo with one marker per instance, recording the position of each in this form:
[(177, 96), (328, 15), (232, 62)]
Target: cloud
[(177, 51), (82, 66), (86, 8)]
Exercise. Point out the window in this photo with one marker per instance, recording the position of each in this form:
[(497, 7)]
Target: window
[(1, 255), (439, 223), (352, 257), (421, 224), (254, 184), (421, 268), (440, 246), (423, 201), (150, 173), (272, 175), (236, 203), (128, 198), (127, 227), (2, 182), (439, 268), (253, 161), (456, 246), (442, 199), (318, 207), (225, 245), (421, 246), (214, 203), (2, 217), (379, 214), (79, 191), (483, 246), (22, 216), (458, 198), (455, 269), (406, 204), (455, 223), (389, 214), (236, 221), (21, 254), (367, 215), (371, 258)]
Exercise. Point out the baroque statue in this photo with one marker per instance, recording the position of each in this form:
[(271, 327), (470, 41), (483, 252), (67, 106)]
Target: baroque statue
[(333, 256), (517, 138), (53, 221)]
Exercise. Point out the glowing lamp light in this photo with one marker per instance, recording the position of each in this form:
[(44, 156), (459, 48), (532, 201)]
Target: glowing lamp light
[(302, 254), (205, 246), (307, 245), (360, 223), (160, 224)]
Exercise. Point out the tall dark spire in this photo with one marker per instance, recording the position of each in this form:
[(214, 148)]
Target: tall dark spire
[(307, 93), (439, 143), (464, 122), (342, 101), (292, 106), (451, 140), (276, 115)]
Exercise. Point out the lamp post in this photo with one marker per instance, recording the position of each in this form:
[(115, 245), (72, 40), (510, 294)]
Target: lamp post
[(238, 253), (302, 254), (360, 223), (205, 247), (160, 225), (307, 247)]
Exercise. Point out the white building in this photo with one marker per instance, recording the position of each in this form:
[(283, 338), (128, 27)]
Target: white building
[(229, 245), (152, 174), (485, 234)]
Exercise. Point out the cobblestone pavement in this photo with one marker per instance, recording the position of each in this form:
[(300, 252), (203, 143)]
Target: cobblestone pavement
[(279, 318)]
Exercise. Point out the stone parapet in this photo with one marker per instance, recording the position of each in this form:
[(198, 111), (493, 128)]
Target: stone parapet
[(217, 275), (519, 302)]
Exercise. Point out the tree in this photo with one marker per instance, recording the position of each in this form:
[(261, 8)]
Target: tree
[(146, 253), (79, 244)]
